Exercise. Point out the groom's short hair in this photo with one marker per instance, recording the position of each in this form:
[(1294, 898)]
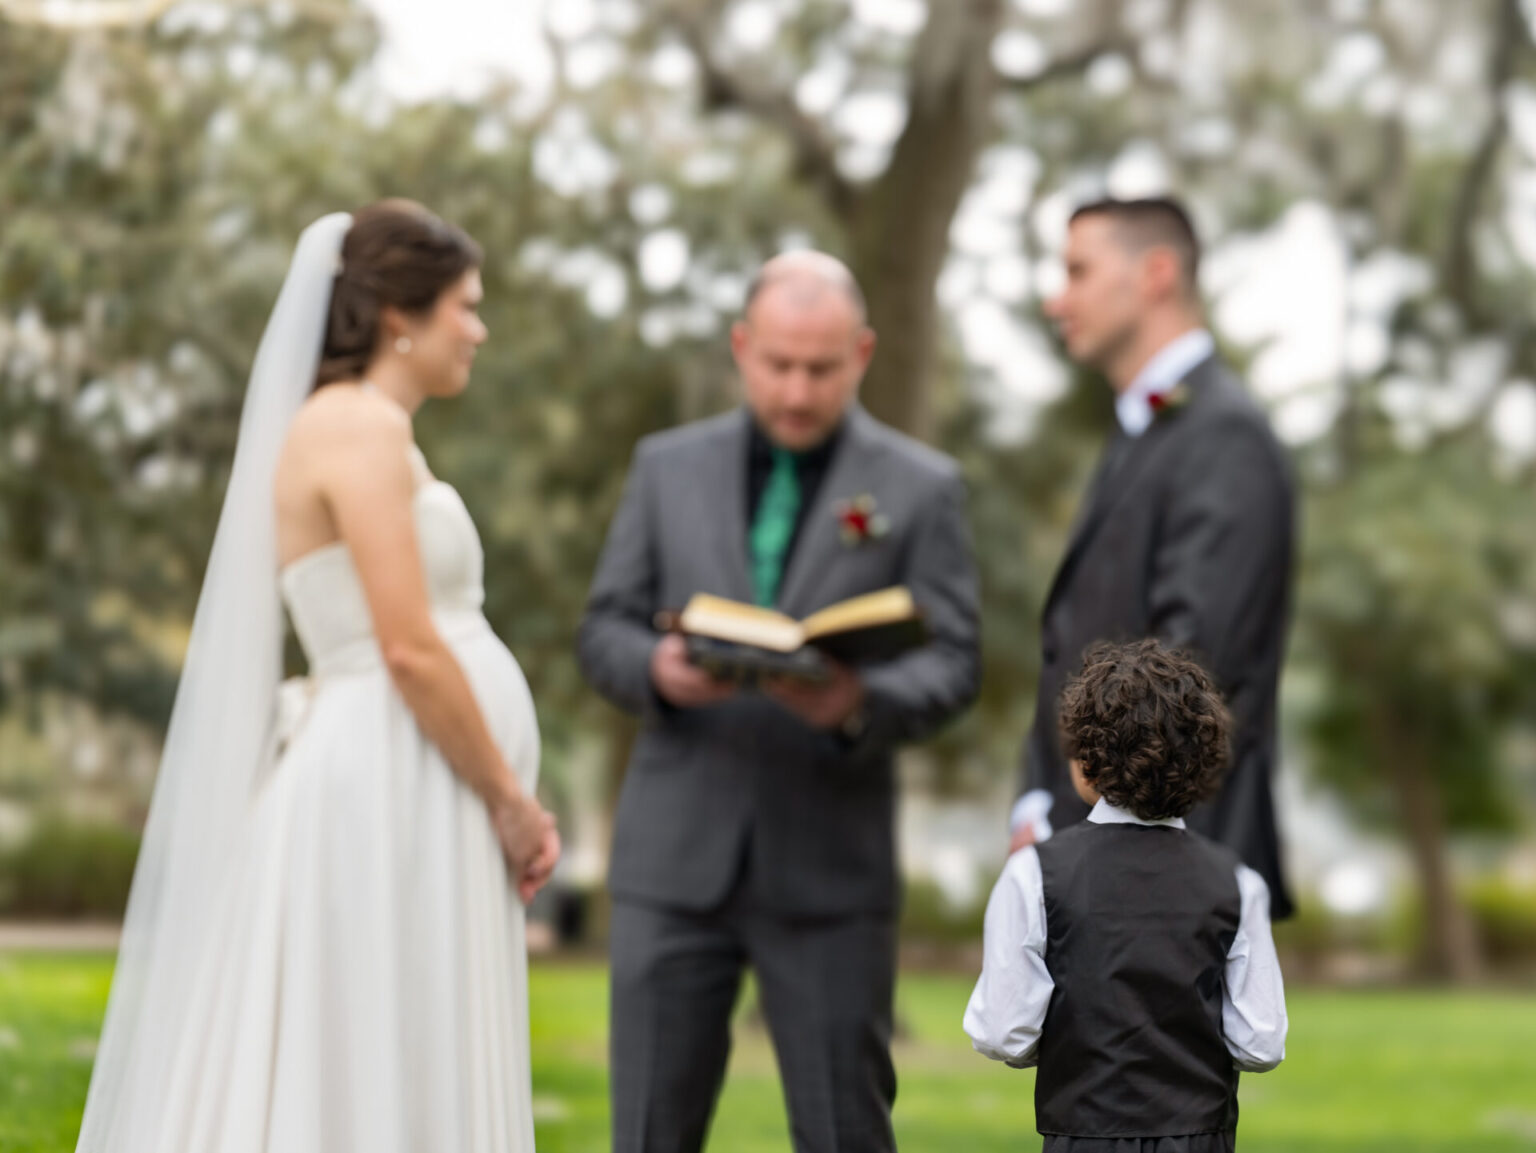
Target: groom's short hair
[(1153, 222)]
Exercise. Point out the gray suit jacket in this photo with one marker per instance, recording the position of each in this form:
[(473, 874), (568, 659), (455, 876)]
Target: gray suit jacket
[(707, 787), (1186, 534)]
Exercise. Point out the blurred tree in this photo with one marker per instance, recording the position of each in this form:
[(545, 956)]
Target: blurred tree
[(1416, 576), (1246, 113), (894, 225), (888, 189), (939, 148), (118, 403)]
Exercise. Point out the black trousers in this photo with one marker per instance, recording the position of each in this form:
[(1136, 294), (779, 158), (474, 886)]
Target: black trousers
[(826, 986), (1194, 1143)]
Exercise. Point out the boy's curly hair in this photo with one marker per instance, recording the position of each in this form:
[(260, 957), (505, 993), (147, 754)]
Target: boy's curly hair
[(1148, 727)]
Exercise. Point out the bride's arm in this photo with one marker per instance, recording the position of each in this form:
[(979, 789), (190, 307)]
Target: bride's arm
[(367, 484)]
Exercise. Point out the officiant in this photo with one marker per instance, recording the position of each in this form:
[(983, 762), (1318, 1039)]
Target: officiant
[(755, 827)]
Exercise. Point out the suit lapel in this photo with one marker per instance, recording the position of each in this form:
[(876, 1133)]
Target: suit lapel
[(729, 485), (1108, 491), (847, 476)]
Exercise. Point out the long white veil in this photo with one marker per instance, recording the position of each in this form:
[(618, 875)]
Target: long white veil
[(220, 730)]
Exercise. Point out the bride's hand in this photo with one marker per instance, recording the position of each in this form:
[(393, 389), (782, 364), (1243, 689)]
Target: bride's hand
[(537, 874), (520, 823)]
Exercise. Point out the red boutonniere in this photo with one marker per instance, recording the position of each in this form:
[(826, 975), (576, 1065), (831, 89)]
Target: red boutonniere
[(1171, 401), (859, 521)]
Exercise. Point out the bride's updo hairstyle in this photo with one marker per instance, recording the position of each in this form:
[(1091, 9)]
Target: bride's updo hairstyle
[(396, 254)]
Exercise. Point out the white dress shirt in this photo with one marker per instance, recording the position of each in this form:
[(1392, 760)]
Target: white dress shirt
[(1007, 1009), (1170, 365)]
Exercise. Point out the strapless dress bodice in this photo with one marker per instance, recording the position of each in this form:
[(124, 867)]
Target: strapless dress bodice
[(325, 597)]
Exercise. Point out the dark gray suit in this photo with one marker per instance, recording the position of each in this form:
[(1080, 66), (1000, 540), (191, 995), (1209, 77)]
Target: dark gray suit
[(1186, 534), (742, 835)]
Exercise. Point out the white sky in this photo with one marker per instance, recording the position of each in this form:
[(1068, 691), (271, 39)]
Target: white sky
[(455, 46)]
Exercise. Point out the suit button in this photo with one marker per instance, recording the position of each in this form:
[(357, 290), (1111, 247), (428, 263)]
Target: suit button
[(1050, 654)]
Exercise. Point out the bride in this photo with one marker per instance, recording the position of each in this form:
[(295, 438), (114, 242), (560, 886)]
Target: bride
[(324, 951)]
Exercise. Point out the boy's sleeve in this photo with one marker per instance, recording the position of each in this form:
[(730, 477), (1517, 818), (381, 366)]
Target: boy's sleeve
[(1253, 1002), (1007, 1008)]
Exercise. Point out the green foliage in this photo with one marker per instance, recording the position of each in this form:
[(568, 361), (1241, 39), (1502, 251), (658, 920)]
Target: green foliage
[(928, 917), (136, 270), (66, 869), (1410, 570), (1505, 914), (152, 183)]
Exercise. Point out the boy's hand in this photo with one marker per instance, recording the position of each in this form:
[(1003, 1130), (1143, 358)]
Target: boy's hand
[(1030, 820)]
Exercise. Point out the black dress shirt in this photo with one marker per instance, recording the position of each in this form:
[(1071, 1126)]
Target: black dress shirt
[(812, 467)]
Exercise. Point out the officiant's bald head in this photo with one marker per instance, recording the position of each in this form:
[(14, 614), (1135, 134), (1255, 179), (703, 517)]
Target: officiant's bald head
[(807, 274), (802, 345)]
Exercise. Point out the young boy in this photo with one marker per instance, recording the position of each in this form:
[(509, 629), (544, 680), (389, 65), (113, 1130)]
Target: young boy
[(1127, 957)]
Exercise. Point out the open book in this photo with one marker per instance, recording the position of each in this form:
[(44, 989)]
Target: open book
[(742, 641)]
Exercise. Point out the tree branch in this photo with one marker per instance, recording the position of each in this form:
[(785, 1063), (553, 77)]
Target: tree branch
[(1071, 64), (900, 240), (132, 14), (1459, 270), (1107, 35), (815, 156)]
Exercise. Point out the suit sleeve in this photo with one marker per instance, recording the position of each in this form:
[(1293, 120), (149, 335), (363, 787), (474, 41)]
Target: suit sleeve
[(910, 698), (616, 637), (1221, 568)]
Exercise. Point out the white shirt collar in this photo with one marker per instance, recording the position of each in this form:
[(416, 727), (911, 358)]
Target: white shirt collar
[(1105, 813), (1171, 364)]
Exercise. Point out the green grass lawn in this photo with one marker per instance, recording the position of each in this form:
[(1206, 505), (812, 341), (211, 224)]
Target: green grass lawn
[(1367, 1072)]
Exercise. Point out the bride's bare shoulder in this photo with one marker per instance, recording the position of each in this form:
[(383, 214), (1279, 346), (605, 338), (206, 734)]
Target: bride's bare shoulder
[(343, 414)]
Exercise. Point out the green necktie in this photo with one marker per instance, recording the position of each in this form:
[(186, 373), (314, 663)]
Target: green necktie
[(774, 526)]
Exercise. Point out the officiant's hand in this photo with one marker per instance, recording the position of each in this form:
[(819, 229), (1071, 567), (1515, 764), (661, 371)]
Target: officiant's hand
[(822, 706), (681, 682)]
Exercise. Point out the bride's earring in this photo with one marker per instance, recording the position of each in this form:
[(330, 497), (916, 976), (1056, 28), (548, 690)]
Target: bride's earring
[(403, 345)]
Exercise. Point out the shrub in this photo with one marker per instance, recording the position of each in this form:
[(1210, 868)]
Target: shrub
[(928, 917), (68, 869), (1505, 915)]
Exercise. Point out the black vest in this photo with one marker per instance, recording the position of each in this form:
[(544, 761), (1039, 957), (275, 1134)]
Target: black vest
[(1139, 921)]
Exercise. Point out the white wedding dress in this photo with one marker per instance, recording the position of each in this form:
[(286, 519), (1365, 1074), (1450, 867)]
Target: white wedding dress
[(368, 991)]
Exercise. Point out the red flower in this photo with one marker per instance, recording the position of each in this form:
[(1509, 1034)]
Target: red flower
[(858, 521), (1172, 400)]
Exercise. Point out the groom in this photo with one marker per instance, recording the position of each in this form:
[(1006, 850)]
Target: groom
[(1186, 531), (756, 828)]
